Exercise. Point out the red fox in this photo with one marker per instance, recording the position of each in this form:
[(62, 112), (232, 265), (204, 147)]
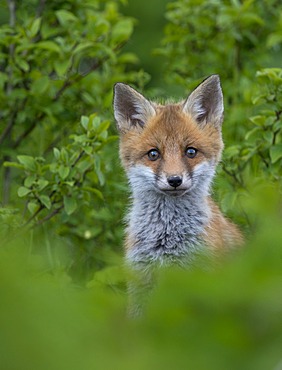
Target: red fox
[(170, 153)]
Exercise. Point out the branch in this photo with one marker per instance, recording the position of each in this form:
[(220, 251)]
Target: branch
[(232, 175), (12, 10), (27, 131), (33, 216), (79, 77), (12, 23), (263, 159), (40, 8), (24, 135), (63, 134), (49, 216), (8, 128)]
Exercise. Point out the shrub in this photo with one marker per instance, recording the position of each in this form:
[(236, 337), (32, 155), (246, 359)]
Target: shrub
[(59, 61)]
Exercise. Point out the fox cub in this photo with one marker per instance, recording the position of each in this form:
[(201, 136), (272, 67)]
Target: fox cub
[(170, 153)]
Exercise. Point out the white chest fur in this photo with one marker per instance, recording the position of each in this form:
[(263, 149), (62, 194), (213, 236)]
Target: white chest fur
[(166, 229)]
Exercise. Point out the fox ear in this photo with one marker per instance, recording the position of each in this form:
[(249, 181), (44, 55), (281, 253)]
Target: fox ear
[(130, 108), (205, 103)]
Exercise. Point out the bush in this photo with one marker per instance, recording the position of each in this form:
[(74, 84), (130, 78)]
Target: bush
[(59, 61)]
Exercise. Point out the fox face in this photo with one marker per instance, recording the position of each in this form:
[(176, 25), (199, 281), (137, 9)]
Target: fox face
[(170, 149)]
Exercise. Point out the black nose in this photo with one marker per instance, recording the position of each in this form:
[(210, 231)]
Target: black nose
[(174, 181)]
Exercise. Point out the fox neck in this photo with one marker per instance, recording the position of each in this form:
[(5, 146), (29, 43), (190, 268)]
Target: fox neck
[(167, 229)]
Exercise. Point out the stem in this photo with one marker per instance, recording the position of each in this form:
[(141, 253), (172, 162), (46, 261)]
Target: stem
[(275, 136), (26, 133), (12, 10), (49, 216), (8, 130), (263, 159), (33, 216), (278, 114), (232, 175), (94, 67), (6, 183), (40, 8)]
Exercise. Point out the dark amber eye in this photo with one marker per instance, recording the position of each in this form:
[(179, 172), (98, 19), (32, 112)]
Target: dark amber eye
[(191, 152), (153, 154)]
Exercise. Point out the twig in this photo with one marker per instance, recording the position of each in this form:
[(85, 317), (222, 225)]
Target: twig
[(79, 77), (7, 130), (232, 175), (49, 216), (27, 132), (263, 159), (33, 216)]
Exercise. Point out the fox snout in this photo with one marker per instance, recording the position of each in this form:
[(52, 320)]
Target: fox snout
[(175, 184), (174, 181)]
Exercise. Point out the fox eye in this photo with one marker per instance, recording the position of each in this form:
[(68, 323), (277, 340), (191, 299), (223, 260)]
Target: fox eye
[(153, 154), (191, 152)]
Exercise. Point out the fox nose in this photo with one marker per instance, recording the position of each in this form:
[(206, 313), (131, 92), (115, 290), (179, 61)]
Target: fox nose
[(174, 181)]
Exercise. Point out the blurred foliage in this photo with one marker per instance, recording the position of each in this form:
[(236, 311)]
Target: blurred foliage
[(63, 283), (226, 318), (147, 35)]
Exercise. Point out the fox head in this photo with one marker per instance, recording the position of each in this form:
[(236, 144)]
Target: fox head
[(170, 149)]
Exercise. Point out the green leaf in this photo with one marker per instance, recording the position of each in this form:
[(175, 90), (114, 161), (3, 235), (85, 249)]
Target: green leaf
[(40, 86), (30, 180), (94, 121), (32, 207), (122, 30), (65, 17), (64, 155), (251, 132), (35, 27), (14, 165), (22, 64), (61, 66), (56, 153), (28, 162), (258, 120), (64, 172), (23, 191), (84, 122), (42, 183), (46, 201), (103, 127), (97, 192), (70, 204), (101, 176), (50, 46), (103, 136), (268, 136), (276, 153), (88, 150), (83, 46)]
